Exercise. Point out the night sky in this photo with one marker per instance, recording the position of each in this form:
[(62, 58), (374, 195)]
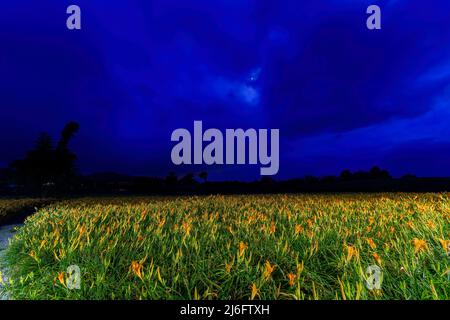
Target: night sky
[(342, 96)]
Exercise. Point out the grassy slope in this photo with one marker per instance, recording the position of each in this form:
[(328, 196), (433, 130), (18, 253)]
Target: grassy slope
[(11, 209)]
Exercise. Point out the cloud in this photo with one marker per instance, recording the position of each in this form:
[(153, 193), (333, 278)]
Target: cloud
[(345, 77), (139, 69), (234, 92)]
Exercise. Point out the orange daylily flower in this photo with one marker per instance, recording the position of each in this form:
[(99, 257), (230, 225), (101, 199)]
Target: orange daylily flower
[(187, 228), (298, 229), (137, 267), (272, 228), (376, 257), (352, 252), (161, 223), (419, 245), (445, 245), (371, 243), (291, 278), (254, 291), (242, 247), (268, 269), (431, 224), (61, 278)]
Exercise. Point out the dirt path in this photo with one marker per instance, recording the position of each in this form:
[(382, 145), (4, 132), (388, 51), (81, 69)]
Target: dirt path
[(6, 233)]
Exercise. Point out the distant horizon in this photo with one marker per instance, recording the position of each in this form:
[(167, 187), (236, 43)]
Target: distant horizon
[(275, 178), (256, 179), (211, 170)]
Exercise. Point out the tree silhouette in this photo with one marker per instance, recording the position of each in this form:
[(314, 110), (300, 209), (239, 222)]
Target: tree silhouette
[(37, 167), (188, 179), (346, 175), (171, 179), (45, 165), (67, 134), (204, 176), (64, 158), (377, 173)]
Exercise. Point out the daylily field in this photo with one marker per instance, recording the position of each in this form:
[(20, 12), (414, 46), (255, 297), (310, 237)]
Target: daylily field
[(235, 247)]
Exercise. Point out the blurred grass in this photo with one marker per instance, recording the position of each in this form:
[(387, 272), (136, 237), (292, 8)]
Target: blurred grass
[(12, 209)]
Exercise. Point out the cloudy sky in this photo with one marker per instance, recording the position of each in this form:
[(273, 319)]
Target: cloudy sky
[(342, 96)]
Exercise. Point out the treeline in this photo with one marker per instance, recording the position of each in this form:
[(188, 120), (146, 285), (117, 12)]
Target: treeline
[(49, 170), (375, 180)]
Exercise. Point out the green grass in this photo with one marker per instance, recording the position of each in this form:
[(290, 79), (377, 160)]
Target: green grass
[(236, 247), (13, 208)]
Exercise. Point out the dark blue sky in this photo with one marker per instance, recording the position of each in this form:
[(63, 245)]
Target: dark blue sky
[(341, 95)]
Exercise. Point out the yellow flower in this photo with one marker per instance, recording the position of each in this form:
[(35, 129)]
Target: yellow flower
[(272, 228), (445, 245), (242, 247), (42, 244), (228, 266), (268, 269), (298, 229), (371, 243), (352, 252), (161, 223), (33, 255), (419, 245), (61, 278), (431, 224), (137, 267), (187, 228), (376, 257), (254, 291), (300, 267), (291, 278), (81, 230)]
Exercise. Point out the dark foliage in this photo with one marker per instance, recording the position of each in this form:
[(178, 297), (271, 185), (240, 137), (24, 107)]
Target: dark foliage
[(47, 167)]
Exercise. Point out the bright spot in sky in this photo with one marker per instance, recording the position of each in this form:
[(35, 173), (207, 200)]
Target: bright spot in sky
[(254, 75), (245, 92)]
